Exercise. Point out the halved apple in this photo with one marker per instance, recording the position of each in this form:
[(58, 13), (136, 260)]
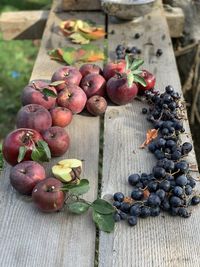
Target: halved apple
[(68, 170)]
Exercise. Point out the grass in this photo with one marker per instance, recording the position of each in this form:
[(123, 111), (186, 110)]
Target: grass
[(16, 61)]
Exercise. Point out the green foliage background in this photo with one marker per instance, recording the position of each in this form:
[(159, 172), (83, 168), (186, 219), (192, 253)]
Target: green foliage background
[(16, 63)]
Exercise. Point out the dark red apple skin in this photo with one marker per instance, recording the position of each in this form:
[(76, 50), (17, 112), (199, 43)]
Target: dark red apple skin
[(57, 139), (93, 84), (15, 139), (87, 68), (35, 117), (32, 94), (96, 105), (73, 98), (25, 175), (112, 68), (150, 80), (47, 195), (119, 92), (61, 116), (68, 74)]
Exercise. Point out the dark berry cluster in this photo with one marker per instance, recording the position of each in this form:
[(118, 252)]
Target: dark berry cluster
[(169, 187), (121, 51)]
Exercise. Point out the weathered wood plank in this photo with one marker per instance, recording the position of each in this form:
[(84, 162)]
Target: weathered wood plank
[(23, 24), (27, 236), (175, 20), (162, 241), (81, 4)]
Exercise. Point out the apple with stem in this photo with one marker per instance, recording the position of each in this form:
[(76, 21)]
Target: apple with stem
[(39, 92), (48, 195), (73, 98), (68, 74), (88, 68), (93, 84), (25, 175), (112, 68), (20, 139)]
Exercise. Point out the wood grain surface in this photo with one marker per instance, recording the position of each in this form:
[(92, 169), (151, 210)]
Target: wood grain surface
[(162, 241), (32, 238)]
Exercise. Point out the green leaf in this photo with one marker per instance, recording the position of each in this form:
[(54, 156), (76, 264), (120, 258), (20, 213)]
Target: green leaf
[(104, 222), (78, 207), (47, 92), (78, 189), (69, 55), (102, 206), (130, 79), (136, 64), (41, 152), (137, 72), (127, 61), (78, 38), (140, 80), (22, 152), (56, 83)]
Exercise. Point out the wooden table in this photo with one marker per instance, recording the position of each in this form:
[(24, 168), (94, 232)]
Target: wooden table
[(31, 238)]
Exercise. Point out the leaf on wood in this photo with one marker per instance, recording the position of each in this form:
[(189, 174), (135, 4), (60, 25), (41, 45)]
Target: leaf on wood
[(77, 38), (86, 53), (102, 206), (150, 135), (56, 54), (80, 31), (78, 207), (104, 222), (77, 189)]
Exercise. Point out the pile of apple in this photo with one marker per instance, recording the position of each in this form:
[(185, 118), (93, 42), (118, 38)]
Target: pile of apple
[(48, 108)]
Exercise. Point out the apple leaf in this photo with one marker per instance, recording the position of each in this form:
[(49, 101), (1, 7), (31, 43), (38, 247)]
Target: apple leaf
[(80, 31), (47, 92), (104, 222), (77, 189), (130, 79), (136, 64), (56, 54), (77, 38), (56, 83), (1, 158), (78, 207), (102, 206), (41, 152), (22, 152), (139, 79)]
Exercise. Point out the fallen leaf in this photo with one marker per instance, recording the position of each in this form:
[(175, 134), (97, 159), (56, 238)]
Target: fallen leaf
[(77, 38), (150, 135), (81, 32), (71, 55)]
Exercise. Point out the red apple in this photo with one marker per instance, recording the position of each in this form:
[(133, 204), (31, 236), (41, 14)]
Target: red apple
[(68, 74), (113, 68), (19, 138), (61, 116), (57, 140), (34, 93), (87, 68), (73, 98), (93, 84), (119, 91), (48, 196), (96, 105), (150, 80), (35, 117), (25, 175)]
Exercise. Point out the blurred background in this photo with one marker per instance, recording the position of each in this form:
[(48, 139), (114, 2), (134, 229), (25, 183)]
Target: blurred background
[(17, 59)]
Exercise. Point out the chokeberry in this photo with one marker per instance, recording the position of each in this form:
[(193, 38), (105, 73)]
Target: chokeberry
[(132, 220), (118, 196)]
